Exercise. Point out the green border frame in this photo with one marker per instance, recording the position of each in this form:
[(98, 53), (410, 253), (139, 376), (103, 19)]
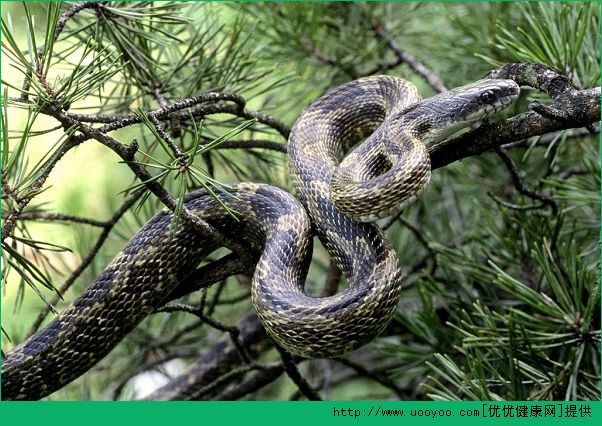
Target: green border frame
[(299, 413)]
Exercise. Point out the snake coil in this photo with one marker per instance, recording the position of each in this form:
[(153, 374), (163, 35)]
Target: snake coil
[(389, 169)]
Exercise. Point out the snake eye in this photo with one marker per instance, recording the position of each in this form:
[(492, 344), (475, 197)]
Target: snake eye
[(487, 96)]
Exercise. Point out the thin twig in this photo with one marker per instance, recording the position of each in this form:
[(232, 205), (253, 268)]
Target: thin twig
[(520, 185), (290, 367), (422, 240), (118, 122), (328, 60), (107, 228), (61, 217), (198, 312), (403, 56), (71, 12), (513, 206), (379, 378), (210, 307)]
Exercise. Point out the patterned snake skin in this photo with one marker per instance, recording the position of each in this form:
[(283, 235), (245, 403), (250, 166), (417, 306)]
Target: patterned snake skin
[(385, 172)]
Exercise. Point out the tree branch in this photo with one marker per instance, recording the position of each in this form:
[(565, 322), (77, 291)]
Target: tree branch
[(520, 185), (217, 361), (71, 12), (60, 217), (403, 56), (128, 156), (258, 380), (582, 106), (290, 366)]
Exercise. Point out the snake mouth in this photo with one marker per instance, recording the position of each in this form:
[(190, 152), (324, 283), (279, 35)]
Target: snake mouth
[(488, 110), (487, 97), (503, 103)]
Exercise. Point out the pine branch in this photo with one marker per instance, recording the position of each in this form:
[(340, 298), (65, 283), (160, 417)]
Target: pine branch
[(222, 358), (71, 12), (290, 366), (582, 108), (128, 156), (520, 185), (403, 57)]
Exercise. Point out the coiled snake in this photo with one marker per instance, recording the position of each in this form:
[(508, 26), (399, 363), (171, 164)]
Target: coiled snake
[(386, 171)]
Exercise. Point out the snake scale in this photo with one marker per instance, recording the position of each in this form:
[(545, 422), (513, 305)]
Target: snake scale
[(335, 201)]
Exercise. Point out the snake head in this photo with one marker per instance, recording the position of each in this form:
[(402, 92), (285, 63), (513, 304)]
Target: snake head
[(483, 98), (448, 112)]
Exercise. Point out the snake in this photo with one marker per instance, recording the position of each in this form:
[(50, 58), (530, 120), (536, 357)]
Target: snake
[(357, 154)]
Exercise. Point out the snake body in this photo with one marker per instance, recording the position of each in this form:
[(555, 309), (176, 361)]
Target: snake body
[(378, 177)]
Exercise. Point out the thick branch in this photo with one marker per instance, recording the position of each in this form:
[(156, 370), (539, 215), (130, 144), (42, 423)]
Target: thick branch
[(582, 106), (539, 76), (219, 360), (256, 381)]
